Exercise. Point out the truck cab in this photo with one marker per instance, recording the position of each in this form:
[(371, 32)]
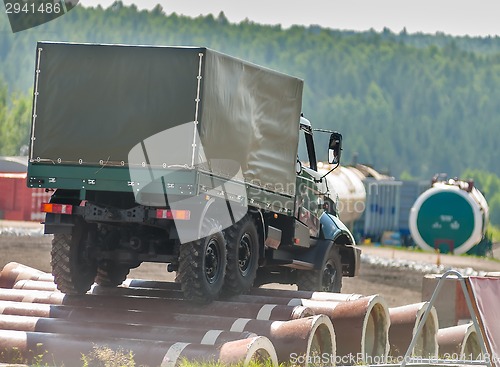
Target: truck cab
[(323, 250)]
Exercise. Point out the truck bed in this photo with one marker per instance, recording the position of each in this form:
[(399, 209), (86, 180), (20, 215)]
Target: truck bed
[(107, 117)]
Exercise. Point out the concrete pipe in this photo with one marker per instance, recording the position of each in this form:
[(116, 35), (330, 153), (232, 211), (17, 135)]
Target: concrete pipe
[(362, 328), (23, 295), (257, 299), (174, 294), (267, 292), (152, 284), (243, 351), (137, 292), (121, 330), (96, 289), (459, 342), (311, 339), (216, 308), (305, 338), (13, 272), (35, 285), (291, 298), (320, 296), (259, 349), (404, 323), (28, 309), (265, 298), (108, 315), (61, 349)]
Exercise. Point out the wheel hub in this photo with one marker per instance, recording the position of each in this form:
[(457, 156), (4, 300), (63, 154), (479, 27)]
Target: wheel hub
[(328, 279), (212, 261), (244, 253)]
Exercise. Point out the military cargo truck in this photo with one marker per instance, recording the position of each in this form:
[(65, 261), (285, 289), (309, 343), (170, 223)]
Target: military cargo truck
[(184, 156)]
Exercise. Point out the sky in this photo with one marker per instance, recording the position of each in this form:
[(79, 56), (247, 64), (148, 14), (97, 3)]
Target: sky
[(454, 17)]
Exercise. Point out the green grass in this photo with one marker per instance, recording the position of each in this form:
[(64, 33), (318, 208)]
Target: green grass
[(495, 232), (105, 357)]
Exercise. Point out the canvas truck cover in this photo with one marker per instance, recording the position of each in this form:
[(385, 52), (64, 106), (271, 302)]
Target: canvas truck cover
[(95, 105)]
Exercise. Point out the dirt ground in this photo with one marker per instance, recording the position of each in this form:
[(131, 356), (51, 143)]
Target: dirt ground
[(397, 286)]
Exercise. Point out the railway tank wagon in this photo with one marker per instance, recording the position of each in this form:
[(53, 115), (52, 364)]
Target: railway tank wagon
[(451, 216), (347, 182)]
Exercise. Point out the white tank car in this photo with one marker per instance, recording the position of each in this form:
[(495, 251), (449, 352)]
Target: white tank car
[(347, 183)]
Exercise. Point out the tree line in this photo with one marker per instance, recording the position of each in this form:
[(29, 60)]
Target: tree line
[(15, 122)]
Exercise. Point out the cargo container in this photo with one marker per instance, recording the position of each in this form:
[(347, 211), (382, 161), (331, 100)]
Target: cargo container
[(382, 208)]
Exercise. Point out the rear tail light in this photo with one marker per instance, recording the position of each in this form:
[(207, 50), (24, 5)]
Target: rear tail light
[(56, 208), (173, 214)]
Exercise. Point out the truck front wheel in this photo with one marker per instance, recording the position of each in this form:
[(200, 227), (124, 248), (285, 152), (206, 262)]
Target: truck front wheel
[(242, 256), (326, 279), (73, 270), (202, 264)]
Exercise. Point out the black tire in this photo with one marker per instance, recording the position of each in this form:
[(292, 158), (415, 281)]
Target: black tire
[(326, 279), (202, 264), (111, 274), (242, 256), (73, 272)]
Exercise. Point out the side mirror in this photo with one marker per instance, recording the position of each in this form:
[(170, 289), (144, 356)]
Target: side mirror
[(335, 148)]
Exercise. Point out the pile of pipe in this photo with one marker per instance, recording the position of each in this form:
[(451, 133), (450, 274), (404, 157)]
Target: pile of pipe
[(152, 322)]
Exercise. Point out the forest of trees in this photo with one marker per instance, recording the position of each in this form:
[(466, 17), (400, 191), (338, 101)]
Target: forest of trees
[(15, 121), (411, 105)]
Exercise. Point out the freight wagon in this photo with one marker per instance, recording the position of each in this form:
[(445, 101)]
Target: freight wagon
[(451, 215), (17, 201)]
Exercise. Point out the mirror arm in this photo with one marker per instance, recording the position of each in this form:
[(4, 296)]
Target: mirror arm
[(326, 174)]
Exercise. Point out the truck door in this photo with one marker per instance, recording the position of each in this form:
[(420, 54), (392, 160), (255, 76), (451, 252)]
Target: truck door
[(308, 199)]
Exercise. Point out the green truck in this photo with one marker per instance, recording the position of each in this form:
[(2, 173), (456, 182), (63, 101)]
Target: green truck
[(184, 156)]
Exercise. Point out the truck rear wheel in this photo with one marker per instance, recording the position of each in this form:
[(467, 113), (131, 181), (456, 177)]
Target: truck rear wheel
[(326, 279), (202, 264), (111, 274), (242, 256), (73, 271)]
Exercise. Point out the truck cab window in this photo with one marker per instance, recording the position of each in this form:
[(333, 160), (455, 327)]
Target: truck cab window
[(302, 151)]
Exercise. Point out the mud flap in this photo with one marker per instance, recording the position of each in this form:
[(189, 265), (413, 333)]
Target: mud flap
[(334, 230)]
